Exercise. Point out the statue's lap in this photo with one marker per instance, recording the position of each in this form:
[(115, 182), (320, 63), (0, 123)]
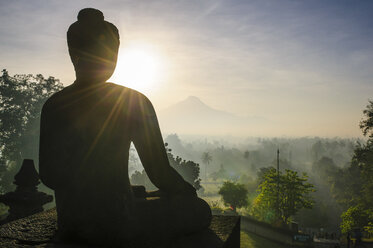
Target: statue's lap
[(154, 219)]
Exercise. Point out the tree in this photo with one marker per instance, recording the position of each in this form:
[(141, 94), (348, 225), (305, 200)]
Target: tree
[(366, 124), (246, 155), (324, 168), (360, 199), (317, 150), (363, 157), (21, 100), (355, 217), (206, 159), (189, 170), (234, 195), (177, 146), (282, 201)]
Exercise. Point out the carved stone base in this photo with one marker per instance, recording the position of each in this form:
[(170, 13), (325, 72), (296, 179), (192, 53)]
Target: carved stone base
[(39, 230)]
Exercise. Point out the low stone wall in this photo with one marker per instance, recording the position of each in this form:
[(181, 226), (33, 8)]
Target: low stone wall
[(265, 230)]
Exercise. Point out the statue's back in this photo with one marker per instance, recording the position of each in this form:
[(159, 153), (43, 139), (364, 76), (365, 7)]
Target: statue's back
[(89, 134)]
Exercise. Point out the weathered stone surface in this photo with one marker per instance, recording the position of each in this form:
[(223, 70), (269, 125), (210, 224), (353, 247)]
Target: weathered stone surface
[(38, 231), (33, 230)]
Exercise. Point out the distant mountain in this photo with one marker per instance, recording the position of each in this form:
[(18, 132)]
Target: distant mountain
[(192, 116)]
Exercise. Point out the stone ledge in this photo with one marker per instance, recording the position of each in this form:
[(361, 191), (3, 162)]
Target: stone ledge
[(38, 231)]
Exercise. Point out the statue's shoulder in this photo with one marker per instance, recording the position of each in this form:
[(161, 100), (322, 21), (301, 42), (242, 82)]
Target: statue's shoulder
[(136, 98), (138, 105), (54, 99)]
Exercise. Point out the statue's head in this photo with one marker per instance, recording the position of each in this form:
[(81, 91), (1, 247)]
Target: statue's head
[(93, 46)]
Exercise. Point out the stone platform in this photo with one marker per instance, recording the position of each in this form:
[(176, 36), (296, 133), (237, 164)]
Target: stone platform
[(38, 231)]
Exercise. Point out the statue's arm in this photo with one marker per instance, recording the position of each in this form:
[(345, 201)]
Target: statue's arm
[(149, 144), (45, 154)]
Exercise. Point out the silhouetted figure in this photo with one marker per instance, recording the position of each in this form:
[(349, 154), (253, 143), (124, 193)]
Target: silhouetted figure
[(86, 131)]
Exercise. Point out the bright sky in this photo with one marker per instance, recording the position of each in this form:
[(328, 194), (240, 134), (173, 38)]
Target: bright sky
[(305, 65)]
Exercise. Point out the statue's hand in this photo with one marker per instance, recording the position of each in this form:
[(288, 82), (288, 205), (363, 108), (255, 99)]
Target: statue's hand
[(156, 193), (189, 190)]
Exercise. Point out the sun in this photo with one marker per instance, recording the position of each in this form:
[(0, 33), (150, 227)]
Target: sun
[(138, 68)]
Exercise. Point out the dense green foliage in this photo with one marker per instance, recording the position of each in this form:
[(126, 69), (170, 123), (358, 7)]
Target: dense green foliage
[(366, 123), (282, 196), (21, 100), (326, 207), (357, 191), (234, 195), (355, 216), (189, 170)]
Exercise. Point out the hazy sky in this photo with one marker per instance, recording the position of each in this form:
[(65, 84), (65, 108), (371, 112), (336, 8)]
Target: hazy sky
[(304, 65)]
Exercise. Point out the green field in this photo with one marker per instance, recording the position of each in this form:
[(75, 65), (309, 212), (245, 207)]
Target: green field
[(249, 240)]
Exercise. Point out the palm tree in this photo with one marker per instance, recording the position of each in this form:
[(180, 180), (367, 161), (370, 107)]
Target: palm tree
[(206, 159)]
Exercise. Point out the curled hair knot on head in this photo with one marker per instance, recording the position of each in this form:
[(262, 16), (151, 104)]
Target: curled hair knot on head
[(90, 15)]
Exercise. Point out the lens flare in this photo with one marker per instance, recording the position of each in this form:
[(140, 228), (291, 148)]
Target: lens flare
[(137, 68)]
